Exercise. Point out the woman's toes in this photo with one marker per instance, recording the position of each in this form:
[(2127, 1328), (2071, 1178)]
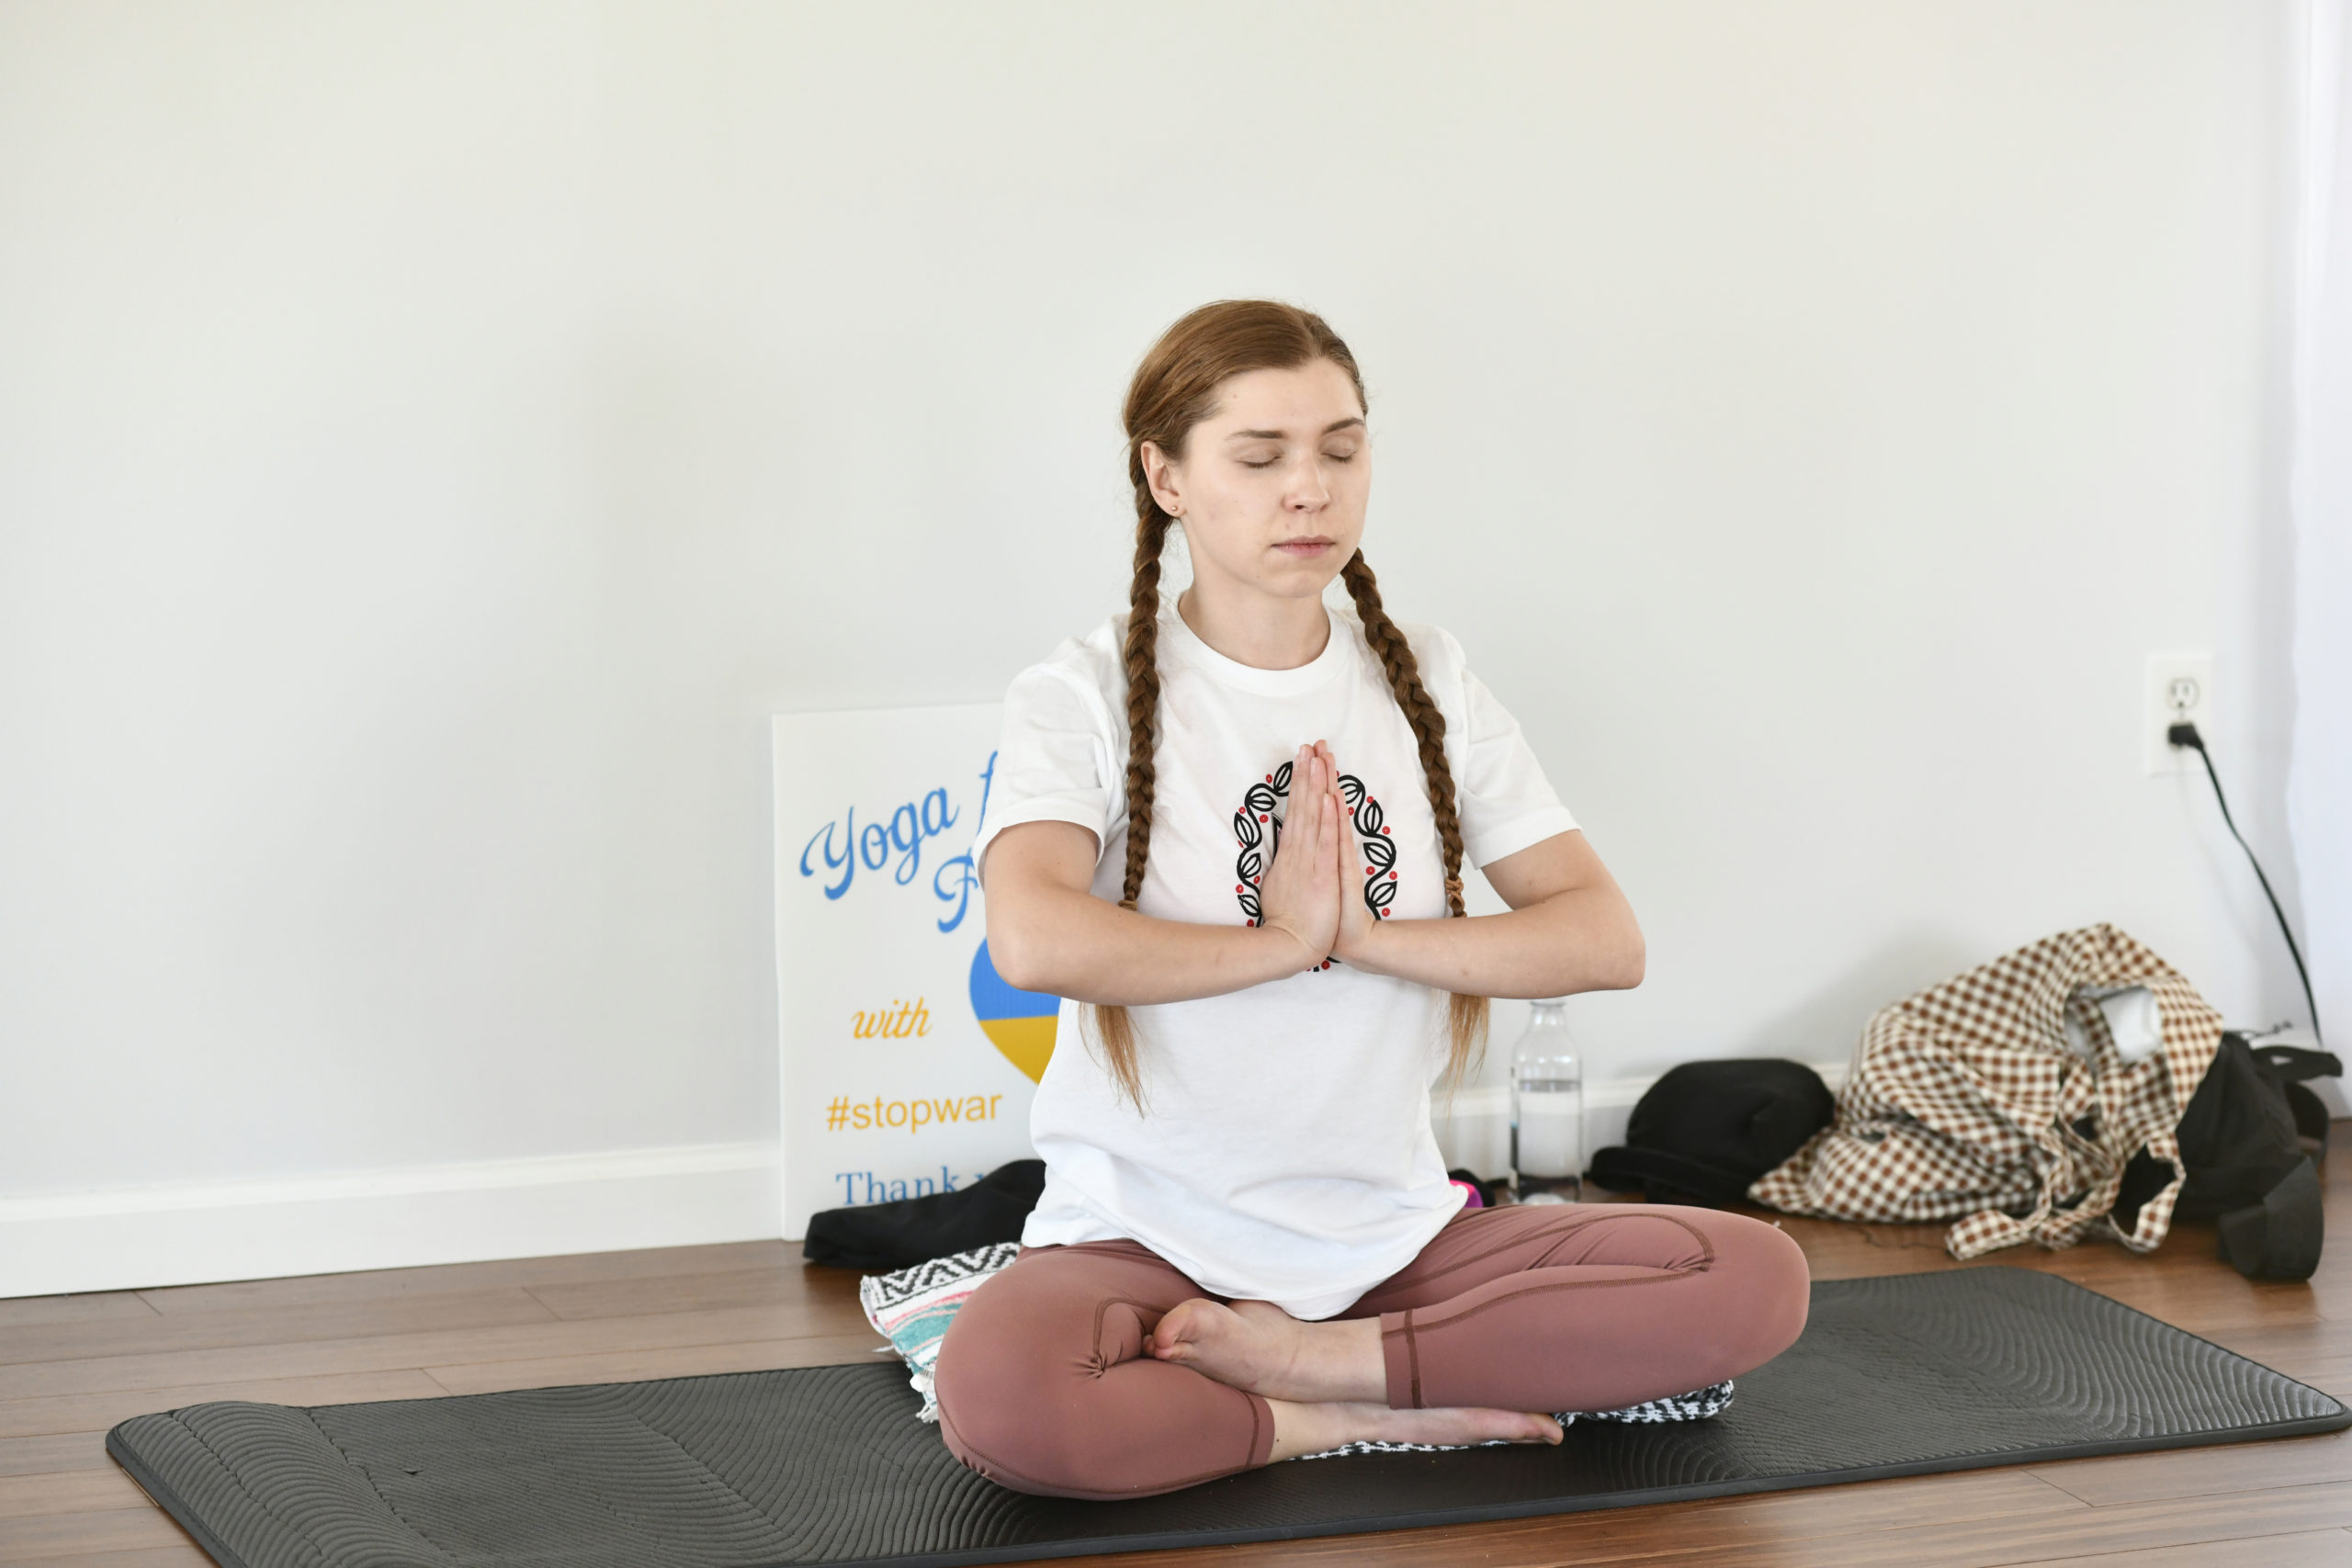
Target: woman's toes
[(1178, 1335), (1519, 1427), (1244, 1344), (1474, 1425), (1303, 1427)]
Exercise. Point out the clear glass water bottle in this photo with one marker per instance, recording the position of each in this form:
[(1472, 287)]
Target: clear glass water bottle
[(1547, 1110)]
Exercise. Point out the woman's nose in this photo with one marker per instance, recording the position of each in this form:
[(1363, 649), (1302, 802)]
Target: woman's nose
[(1307, 490)]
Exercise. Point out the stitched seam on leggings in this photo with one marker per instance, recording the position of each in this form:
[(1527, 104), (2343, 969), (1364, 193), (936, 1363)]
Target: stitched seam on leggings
[(1404, 1330), (1555, 1230), (1568, 1227), (1105, 1305), (1664, 1276), (971, 1448)]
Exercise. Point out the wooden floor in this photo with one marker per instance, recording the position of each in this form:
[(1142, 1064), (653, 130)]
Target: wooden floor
[(73, 1366)]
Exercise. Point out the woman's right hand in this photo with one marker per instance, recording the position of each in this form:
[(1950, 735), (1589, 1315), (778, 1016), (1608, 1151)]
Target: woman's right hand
[(1299, 892)]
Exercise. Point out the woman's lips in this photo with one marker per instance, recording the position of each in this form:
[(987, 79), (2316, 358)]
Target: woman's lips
[(1303, 547)]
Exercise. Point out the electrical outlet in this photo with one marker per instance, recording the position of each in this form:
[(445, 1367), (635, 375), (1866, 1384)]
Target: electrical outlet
[(2179, 690)]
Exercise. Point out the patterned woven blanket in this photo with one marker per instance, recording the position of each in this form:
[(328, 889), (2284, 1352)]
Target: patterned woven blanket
[(912, 1308)]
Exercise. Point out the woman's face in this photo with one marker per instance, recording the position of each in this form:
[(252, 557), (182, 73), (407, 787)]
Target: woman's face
[(1272, 486)]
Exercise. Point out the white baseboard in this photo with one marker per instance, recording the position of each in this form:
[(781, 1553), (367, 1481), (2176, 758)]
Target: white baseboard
[(184, 1235), (145, 1238)]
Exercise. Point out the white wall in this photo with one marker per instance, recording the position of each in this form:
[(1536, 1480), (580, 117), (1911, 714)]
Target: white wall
[(432, 439)]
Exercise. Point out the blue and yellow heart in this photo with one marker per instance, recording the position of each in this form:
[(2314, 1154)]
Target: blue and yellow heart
[(1020, 1024)]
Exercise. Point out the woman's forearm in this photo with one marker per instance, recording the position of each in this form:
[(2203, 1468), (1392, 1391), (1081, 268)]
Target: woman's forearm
[(1583, 939), (1075, 944)]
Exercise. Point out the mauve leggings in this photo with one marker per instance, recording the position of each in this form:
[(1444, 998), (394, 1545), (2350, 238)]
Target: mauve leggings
[(1044, 1386)]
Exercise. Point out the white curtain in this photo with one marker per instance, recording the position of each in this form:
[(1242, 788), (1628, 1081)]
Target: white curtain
[(2318, 787)]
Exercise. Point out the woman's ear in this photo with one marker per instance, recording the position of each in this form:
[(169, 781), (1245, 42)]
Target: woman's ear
[(1159, 473)]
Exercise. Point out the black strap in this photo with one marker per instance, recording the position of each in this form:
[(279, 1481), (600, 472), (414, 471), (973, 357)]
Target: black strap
[(2186, 735), (2292, 1064)]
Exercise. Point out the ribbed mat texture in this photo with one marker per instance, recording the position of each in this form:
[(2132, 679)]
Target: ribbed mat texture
[(1896, 1376)]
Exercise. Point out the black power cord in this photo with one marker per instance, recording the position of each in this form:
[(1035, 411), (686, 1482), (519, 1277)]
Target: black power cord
[(2186, 735)]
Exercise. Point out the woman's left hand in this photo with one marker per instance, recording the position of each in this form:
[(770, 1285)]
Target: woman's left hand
[(1355, 916)]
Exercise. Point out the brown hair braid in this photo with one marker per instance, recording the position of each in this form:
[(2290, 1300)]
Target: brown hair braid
[(1174, 388), (1465, 1015)]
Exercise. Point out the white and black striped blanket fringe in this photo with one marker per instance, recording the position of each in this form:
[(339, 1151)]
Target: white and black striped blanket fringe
[(1696, 1405)]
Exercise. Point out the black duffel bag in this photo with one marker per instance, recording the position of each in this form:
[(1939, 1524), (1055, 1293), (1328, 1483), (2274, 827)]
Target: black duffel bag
[(881, 1236), (2248, 1142)]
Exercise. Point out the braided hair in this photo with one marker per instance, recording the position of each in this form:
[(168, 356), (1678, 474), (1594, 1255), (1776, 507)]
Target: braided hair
[(1174, 388)]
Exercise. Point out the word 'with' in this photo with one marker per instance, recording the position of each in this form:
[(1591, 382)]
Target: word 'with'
[(913, 1020)]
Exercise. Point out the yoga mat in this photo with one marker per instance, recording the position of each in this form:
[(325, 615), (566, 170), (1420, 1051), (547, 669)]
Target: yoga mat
[(1899, 1376)]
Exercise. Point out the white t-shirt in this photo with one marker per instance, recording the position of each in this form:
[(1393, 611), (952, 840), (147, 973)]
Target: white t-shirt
[(1284, 1152)]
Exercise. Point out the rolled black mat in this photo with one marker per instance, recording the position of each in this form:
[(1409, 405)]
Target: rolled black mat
[(1899, 1376)]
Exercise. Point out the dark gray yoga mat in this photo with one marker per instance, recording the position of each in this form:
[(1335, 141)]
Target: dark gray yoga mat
[(1898, 1376)]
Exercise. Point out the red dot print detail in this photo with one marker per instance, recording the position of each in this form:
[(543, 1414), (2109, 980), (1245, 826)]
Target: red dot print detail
[(1248, 922), (1270, 778), (1384, 829), (1236, 887), (1391, 876), (1383, 914), (1261, 817), (1369, 872)]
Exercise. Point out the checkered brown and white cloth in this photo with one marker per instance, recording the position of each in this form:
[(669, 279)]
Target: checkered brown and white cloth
[(1966, 1103)]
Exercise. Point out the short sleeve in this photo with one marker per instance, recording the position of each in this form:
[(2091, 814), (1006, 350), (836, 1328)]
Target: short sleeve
[(1053, 759), (1505, 802)]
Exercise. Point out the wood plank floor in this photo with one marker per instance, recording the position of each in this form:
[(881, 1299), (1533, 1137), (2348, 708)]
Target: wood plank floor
[(73, 1366)]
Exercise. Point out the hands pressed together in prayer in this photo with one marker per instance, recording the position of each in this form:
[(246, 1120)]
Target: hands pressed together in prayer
[(1569, 929), (1309, 888)]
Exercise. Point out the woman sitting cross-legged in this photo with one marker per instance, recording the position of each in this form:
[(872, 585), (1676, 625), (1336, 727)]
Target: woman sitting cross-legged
[(1230, 829)]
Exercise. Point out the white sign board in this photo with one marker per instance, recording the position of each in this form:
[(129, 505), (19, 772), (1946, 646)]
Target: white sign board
[(907, 1063)]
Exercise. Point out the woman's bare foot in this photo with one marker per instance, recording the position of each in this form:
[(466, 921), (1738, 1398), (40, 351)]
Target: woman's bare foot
[(1325, 1382), (1257, 1346), (1311, 1429)]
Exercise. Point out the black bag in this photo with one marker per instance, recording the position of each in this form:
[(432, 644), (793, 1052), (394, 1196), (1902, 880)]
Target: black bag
[(1707, 1131), (2248, 1141), (882, 1237)]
